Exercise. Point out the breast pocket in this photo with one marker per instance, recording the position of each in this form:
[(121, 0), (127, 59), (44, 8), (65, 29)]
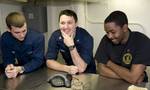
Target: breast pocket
[(29, 54), (62, 48)]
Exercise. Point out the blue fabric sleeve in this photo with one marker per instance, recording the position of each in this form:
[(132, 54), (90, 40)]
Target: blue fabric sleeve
[(142, 46), (38, 55), (101, 54), (7, 55), (86, 50), (52, 48)]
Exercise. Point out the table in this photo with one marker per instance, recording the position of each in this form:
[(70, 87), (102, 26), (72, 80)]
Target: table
[(37, 80)]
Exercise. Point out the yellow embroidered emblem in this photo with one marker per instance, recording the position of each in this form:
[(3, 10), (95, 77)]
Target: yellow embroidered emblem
[(127, 58)]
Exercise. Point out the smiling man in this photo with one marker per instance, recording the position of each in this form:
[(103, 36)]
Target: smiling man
[(22, 49), (74, 43), (123, 54)]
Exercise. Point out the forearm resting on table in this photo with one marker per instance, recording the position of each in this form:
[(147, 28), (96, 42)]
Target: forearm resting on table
[(134, 75), (57, 66), (106, 71), (78, 61)]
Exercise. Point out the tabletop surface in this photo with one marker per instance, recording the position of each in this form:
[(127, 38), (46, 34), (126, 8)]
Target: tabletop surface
[(38, 81)]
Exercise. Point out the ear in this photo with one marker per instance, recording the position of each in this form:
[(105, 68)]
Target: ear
[(125, 27), (75, 26)]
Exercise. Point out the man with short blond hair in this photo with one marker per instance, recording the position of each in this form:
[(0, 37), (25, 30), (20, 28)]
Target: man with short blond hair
[(22, 48)]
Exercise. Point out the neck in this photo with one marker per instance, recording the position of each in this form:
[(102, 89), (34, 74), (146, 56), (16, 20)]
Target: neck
[(127, 34)]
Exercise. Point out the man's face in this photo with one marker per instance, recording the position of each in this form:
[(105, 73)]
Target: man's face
[(19, 33), (67, 24), (114, 32)]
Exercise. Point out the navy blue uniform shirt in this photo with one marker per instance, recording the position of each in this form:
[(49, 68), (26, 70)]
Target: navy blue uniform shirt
[(28, 53), (84, 45), (135, 51)]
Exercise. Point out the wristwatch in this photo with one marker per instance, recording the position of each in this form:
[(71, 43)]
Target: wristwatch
[(71, 47)]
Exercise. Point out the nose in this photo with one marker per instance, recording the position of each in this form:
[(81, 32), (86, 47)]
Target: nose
[(109, 35), (21, 34), (66, 26)]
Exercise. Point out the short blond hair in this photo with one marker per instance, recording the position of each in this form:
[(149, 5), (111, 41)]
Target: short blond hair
[(15, 19)]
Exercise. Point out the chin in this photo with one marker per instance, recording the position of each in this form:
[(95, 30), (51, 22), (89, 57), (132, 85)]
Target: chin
[(20, 39), (115, 42)]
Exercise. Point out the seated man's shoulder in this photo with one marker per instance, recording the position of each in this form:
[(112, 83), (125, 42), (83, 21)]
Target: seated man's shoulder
[(56, 33), (139, 35), (83, 32), (5, 34), (139, 39), (6, 37), (81, 29), (34, 35)]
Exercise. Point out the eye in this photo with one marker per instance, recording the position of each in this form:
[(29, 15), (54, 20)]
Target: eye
[(70, 22), (17, 32), (113, 32), (24, 30), (62, 23)]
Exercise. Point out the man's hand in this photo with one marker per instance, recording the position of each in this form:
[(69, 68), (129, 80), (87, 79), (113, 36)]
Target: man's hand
[(73, 69), (68, 40), (109, 63), (11, 71), (141, 78)]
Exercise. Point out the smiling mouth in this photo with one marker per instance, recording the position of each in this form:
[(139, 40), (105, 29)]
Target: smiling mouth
[(114, 40)]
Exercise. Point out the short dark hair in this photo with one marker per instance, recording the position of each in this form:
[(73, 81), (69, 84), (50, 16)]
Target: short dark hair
[(15, 19), (118, 17), (69, 13)]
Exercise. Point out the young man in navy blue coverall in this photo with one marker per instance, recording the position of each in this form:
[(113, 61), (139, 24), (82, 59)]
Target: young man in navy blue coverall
[(75, 45), (22, 49), (122, 53)]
